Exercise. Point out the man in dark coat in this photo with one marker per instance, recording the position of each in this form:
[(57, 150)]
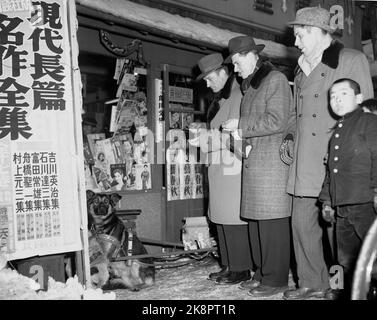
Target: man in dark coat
[(322, 62), (350, 185), (265, 109)]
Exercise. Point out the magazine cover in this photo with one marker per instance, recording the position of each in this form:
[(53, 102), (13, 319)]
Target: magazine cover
[(187, 119), (105, 145), (175, 120), (88, 156), (92, 139), (173, 190), (131, 177), (127, 146), (116, 145), (143, 176), (119, 177), (103, 158), (141, 147)]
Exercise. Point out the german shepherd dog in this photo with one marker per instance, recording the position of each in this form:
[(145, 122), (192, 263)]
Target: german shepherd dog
[(108, 238)]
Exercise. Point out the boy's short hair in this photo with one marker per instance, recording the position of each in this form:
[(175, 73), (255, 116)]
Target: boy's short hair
[(353, 84), (370, 104)]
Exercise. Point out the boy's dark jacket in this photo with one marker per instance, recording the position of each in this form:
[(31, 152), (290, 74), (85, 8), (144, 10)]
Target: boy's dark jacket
[(352, 161)]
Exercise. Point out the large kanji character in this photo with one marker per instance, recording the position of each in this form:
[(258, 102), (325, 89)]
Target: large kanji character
[(47, 96), (49, 37), (54, 192), (12, 96), (50, 13), (13, 122), (48, 65), (46, 204), (17, 157), (37, 204), (29, 205), (6, 33), (16, 59), (54, 180), (20, 207), (37, 194), (55, 203)]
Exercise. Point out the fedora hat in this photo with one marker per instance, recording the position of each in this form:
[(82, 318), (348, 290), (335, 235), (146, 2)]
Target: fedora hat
[(209, 63), (242, 44), (314, 17)]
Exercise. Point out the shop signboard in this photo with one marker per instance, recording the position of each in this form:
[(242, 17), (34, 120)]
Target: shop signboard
[(39, 200), (179, 94)]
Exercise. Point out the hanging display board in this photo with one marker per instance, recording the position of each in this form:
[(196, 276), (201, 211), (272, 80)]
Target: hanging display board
[(39, 201)]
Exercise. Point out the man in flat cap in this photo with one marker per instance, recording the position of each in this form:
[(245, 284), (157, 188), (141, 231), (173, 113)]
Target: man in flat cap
[(322, 61), (265, 109), (224, 173)]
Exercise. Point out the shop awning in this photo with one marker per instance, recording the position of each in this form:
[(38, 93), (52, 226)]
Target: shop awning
[(181, 26), (186, 27)]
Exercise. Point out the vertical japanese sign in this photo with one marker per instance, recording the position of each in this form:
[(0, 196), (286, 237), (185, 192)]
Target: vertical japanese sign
[(39, 210)]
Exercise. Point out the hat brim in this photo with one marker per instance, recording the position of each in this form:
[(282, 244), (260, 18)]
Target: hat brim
[(258, 48), (300, 23), (202, 75)]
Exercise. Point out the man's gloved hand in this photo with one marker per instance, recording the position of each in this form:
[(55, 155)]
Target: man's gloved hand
[(286, 149), (328, 213)]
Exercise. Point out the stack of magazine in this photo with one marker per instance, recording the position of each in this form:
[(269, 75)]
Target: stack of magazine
[(119, 163)]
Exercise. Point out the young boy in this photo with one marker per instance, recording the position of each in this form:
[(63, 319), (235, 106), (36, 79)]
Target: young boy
[(350, 185)]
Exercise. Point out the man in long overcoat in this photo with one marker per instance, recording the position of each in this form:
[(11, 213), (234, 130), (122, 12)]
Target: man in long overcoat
[(265, 109), (323, 61), (224, 173)]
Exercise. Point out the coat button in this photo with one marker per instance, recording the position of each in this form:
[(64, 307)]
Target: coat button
[(248, 128), (313, 134), (335, 170), (316, 95), (314, 115), (322, 74), (340, 125), (246, 165), (336, 159), (336, 135), (336, 147)]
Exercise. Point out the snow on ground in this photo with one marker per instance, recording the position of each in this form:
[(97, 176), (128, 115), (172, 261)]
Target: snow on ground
[(190, 282)]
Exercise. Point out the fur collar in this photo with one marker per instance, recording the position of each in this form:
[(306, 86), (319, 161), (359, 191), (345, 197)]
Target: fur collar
[(330, 56), (255, 79)]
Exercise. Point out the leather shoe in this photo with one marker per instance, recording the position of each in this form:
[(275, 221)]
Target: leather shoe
[(264, 291), (234, 277), (214, 275), (249, 284), (303, 293)]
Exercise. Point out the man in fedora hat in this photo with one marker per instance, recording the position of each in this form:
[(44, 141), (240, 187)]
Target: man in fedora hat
[(322, 62), (265, 109), (224, 173)]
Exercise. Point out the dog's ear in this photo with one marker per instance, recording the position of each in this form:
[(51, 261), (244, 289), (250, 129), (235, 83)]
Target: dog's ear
[(115, 197), (89, 195)]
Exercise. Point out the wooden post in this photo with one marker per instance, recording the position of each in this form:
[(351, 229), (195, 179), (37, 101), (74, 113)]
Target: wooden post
[(82, 257)]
